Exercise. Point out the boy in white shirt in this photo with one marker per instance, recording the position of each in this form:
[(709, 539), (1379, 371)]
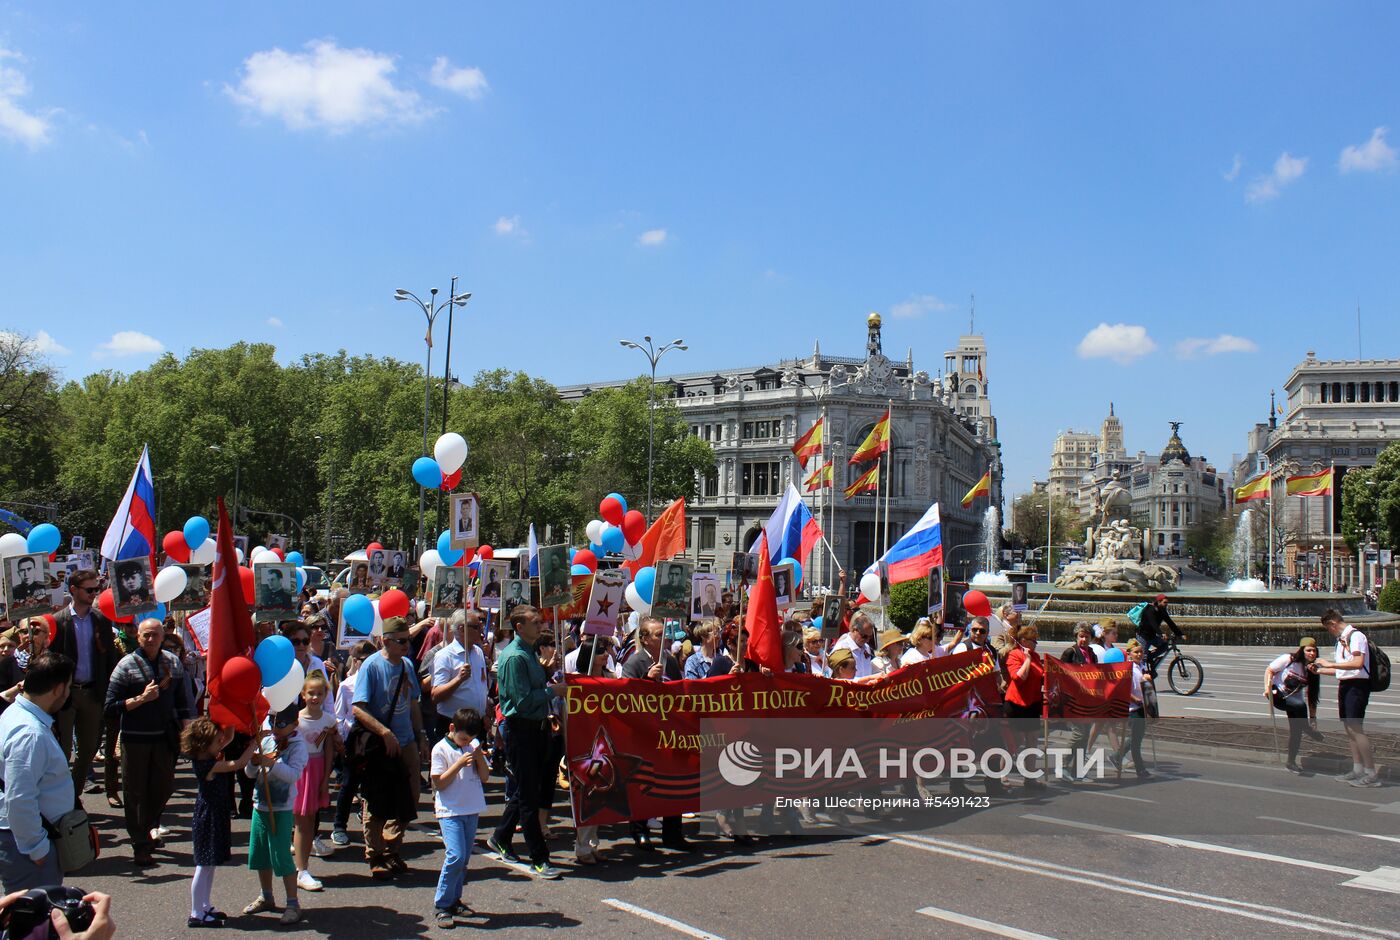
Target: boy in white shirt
[(459, 767), (1351, 666)]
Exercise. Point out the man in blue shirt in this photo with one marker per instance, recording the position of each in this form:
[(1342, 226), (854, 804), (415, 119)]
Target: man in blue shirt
[(35, 775)]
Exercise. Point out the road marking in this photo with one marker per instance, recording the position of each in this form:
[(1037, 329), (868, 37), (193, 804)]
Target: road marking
[(1123, 796), (1347, 832), (1141, 889), (1218, 711), (977, 923), (661, 919), (1293, 794), (1199, 846)]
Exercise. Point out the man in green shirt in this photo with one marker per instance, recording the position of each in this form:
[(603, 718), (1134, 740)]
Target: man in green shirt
[(525, 693)]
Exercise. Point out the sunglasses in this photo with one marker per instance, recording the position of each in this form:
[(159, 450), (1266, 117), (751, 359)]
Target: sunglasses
[(402, 641), (301, 642)]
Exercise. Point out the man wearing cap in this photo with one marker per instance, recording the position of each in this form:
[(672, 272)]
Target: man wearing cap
[(386, 704), (1150, 632)]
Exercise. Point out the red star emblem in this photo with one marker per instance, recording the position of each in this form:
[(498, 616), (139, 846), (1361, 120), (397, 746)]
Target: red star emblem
[(601, 776), (605, 605)]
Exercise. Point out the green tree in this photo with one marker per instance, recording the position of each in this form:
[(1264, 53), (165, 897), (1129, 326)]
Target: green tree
[(1371, 501), (29, 423), (1030, 520), (908, 602)]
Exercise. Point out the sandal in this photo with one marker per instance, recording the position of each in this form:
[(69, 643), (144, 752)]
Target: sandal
[(115, 802)]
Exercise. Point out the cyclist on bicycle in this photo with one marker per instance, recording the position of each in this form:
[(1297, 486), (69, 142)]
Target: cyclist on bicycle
[(1151, 635)]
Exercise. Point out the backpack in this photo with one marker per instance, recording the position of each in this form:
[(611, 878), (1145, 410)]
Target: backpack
[(1380, 668), (1135, 613)]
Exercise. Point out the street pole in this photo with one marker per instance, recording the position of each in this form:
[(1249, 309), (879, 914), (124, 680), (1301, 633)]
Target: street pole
[(1331, 538), (446, 383), (653, 357)]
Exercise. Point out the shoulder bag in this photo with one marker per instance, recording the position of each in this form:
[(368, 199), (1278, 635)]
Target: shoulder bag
[(361, 745)]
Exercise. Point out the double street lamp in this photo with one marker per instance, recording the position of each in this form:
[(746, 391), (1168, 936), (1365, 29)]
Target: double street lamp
[(431, 308), (653, 356), (219, 450)]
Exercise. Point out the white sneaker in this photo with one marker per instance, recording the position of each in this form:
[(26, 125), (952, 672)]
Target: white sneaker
[(1371, 779), (319, 848), (159, 832), (1351, 775), (307, 882)]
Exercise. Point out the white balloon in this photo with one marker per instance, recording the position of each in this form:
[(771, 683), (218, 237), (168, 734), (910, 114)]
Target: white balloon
[(595, 531), (632, 552), (634, 600), (450, 452), (870, 586), (286, 690), (204, 555), (12, 543), (378, 628), (239, 552), (170, 582), (264, 554), (429, 562)]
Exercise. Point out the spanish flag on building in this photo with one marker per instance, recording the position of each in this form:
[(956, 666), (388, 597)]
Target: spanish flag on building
[(1257, 488), (1314, 484), (867, 481), (876, 443), (818, 478), (809, 444), (983, 487)]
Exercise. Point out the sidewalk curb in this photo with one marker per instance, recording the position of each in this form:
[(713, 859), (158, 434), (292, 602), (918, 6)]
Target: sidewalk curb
[(1320, 765)]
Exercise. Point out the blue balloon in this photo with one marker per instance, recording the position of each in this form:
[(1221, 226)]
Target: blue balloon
[(44, 538), (196, 531), (644, 580), (618, 497), (158, 612), (613, 540), (301, 579), (295, 558), (274, 655), (449, 555), (572, 553), (427, 473), (1114, 655), (817, 621), (596, 549), (359, 616), (796, 568), (579, 571)]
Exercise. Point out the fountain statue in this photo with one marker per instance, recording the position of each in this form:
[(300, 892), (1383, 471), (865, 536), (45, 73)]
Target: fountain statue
[(1117, 550)]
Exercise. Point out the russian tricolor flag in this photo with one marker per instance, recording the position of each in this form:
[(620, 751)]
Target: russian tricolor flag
[(791, 530), (132, 533), (920, 549)]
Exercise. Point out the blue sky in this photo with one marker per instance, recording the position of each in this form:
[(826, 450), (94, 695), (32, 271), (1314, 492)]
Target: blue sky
[(1215, 186)]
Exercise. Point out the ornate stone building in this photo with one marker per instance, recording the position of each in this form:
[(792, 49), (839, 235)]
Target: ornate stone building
[(943, 439), (1076, 456)]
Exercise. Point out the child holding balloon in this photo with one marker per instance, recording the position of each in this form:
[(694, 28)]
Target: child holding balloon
[(204, 741), (317, 729), (276, 766)]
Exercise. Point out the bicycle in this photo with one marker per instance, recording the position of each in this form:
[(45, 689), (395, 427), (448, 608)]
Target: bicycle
[(1184, 673)]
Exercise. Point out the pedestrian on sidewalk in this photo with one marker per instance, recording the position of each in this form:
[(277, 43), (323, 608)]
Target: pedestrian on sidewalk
[(1351, 665), (211, 822), (1137, 717), (316, 728), (1293, 688), (459, 767)]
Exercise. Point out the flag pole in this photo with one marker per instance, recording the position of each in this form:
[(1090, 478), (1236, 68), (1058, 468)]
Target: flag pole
[(1331, 538), (1271, 527), (889, 467)]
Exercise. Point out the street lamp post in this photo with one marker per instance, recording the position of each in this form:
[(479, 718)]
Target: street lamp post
[(653, 356), (219, 450), (330, 504), (430, 309)]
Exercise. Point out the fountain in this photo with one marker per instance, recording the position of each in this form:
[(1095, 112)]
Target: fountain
[(991, 550), (1241, 557), (1118, 551)]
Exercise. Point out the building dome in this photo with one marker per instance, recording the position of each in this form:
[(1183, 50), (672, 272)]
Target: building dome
[(873, 321), (1175, 450)]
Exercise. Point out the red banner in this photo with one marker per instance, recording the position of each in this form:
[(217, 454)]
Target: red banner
[(637, 749), (1093, 692)]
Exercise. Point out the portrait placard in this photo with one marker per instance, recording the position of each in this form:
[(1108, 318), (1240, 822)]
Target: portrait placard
[(514, 592), (398, 564), (935, 593), (494, 574), (358, 580), (132, 589), (670, 595), (1020, 596), (556, 586), (274, 591), (784, 586), (378, 567), (746, 567), (954, 614), (831, 616), (605, 601), (465, 520), (446, 589), (27, 591), (196, 592), (705, 595)]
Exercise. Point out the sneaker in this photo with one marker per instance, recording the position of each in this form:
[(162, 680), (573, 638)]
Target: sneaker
[(1292, 768), (545, 871), (160, 832), (395, 864), (308, 882), (260, 904), (1350, 776), (444, 919), (292, 915), (1371, 779), (496, 849), (319, 848), (340, 837), (379, 871)]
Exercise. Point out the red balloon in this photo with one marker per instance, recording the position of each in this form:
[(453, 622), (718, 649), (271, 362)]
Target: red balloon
[(634, 526), (393, 603), (108, 605), (281, 555), (245, 575), (976, 603), (449, 482), (53, 626), (373, 547), (240, 680), (611, 511), (586, 558), (176, 547), (485, 553)]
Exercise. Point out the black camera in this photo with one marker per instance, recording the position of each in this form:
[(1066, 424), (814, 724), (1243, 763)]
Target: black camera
[(27, 917)]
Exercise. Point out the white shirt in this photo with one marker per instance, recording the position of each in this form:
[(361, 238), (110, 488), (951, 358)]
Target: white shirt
[(1138, 679), (345, 708), (912, 655), (472, 692), (848, 642), (309, 729), (1283, 667), (1351, 642), (463, 795), (964, 645)]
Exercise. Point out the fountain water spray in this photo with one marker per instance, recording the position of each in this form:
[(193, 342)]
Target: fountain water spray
[(991, 549), (1241, 556)]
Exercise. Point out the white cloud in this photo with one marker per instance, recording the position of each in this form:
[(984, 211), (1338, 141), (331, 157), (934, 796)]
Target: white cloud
[(326, 86), (1121, 342), (1234, 172), (509, 225), (128, 343), (1371, 156), (1195, 346), (652, 237), (26, 127), (1287, 169), (468, 82), (275, 321), (917, 306), (41, 343)]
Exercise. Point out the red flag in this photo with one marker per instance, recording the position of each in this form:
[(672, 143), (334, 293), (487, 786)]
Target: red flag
[(665, 539), (765, 645), (230, 637), (1091, 692)]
